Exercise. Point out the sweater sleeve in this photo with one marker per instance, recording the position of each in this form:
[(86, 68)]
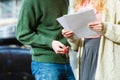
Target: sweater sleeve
[(27, 24), (112, 30), (74, 43)]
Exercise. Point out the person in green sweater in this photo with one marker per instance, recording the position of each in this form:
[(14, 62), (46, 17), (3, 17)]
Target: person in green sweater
[(37, 26)]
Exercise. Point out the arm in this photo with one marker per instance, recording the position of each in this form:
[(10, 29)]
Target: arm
[(74, 42), (112, 29), (26, 30)]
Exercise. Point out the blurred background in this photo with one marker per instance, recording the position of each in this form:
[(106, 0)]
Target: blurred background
[(15, 59), (9, 11)]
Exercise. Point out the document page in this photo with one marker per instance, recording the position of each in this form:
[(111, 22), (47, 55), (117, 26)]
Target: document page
[(78, 23)]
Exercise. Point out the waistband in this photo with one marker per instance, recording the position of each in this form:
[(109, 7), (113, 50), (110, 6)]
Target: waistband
[(92, 41)]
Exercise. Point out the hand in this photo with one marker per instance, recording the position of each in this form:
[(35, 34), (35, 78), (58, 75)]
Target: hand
[(97, 26), (67, 33), (59, 48)]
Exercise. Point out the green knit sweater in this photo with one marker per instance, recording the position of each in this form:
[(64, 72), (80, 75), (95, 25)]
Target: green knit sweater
[(37, 27)]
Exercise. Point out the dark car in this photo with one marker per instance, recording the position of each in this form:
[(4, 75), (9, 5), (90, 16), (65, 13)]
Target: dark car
[(15, 59)]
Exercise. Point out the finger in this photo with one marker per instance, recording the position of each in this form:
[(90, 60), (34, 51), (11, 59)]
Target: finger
[(60, 51), (68, 36), (99, 25), (65, 50), (94, 23)]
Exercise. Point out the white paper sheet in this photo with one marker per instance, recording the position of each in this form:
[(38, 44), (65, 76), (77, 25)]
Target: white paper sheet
[(78, 22)]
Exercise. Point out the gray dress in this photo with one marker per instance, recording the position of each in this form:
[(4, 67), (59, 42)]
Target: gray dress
[(89, 59)]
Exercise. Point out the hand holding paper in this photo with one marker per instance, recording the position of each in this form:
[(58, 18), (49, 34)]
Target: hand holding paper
[(78, 23)]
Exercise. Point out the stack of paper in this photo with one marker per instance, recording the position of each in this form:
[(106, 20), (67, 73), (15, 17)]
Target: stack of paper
[(78, 23)]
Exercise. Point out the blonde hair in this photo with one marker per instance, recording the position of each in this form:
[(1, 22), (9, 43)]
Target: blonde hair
[(98, 4)]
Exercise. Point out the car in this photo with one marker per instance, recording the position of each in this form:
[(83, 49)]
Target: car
[(15, 58)]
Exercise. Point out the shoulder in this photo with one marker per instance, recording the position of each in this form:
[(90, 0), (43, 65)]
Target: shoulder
[(30, 2)]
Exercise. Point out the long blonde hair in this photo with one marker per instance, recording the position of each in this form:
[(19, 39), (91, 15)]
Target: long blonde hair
[(98, 4)]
